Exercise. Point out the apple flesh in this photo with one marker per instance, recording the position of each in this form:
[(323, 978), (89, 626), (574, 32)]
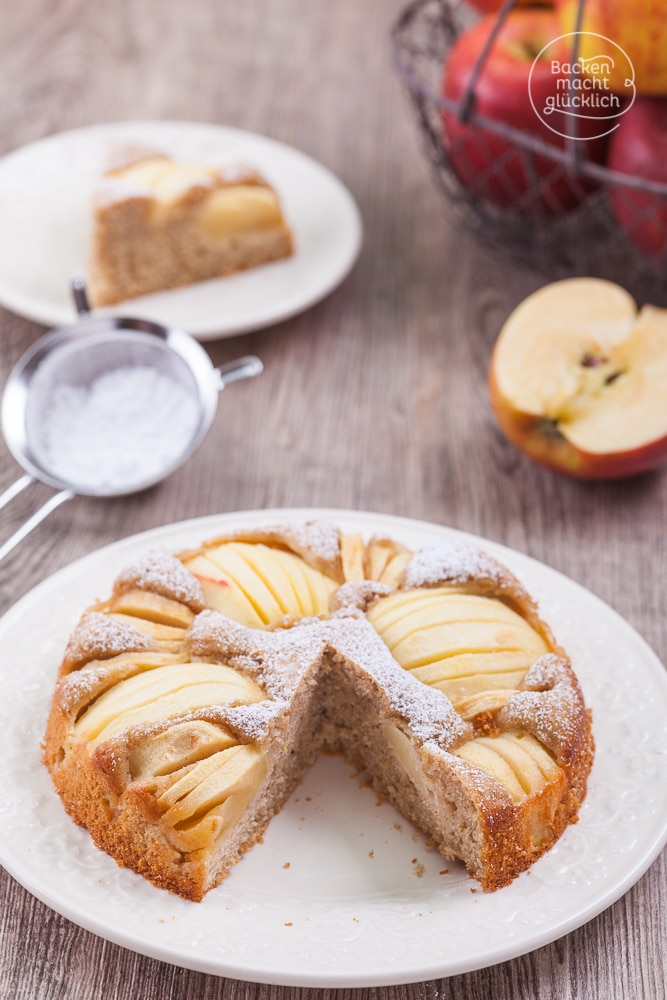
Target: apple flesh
[(490, 165), (639, 148), (578, 380)]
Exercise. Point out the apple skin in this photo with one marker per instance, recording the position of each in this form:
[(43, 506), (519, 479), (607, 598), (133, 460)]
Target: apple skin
[(540, 441), (638, 26), (491, 6), (639, 148), (501, 94)]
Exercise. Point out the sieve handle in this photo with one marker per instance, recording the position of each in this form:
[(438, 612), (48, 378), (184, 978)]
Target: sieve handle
[(80, 296), (32, 521), (14, 490), (235, 371)]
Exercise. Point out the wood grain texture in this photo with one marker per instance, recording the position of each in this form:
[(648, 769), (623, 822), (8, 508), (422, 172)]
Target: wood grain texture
[(375, 399)]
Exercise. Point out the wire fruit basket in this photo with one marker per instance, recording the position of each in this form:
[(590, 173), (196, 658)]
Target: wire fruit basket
[(547, 204)]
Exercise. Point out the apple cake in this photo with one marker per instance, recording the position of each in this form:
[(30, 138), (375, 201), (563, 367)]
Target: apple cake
[(160, 224), (191, 702)]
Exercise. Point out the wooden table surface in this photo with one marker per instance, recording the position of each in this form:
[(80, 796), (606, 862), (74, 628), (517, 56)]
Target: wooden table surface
[(374, 399)]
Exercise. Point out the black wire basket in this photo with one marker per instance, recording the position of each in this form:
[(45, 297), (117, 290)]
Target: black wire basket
[(559, 240)]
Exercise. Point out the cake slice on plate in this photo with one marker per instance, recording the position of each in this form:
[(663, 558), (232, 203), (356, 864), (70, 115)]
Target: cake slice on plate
[(161, 224)]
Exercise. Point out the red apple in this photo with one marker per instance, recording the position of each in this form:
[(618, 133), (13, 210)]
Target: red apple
[(492, 166), (578, 380), (489, 6), (639, 148), (639, 27)]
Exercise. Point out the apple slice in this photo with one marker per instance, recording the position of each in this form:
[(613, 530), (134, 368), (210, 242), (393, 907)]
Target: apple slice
[(393, 572), (388, 611), (221, 594), (479, 754), (266, 563), (168, 637), (180, 745), (208, 781), (274, 582), (458, 689), (407, 755), (200, 834), (518, 761), (379, 552), (440, 641), (445, 610), (158, 694), (297, 587), (483, 703), (213, 796), (235, 567), (466, 665), (154, 607), (461, 644), (312, 587), (352, 555), (578, 380)]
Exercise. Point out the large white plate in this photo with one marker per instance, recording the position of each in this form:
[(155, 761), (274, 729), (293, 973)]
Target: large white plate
[(45, 197), (342, 892)]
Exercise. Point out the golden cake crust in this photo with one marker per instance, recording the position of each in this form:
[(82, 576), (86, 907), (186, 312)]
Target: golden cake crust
[(178, 785)]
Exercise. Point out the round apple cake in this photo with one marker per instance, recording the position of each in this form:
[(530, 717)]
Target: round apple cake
[(189, 704)]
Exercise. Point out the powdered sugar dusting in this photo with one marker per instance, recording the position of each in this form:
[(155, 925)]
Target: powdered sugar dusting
[(105, 436), (164, 574), (317, 542), (99, 637), (550, 706), (254, 721), (280, 660), (452, 561), (358, 596), (112, 189), (321, 538), (276, 660), (427, 711)]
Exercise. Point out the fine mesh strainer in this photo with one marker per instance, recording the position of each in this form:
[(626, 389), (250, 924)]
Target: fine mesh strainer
[(127, 442)]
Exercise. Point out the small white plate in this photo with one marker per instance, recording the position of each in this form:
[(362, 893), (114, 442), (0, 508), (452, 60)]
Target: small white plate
[(342, 892), (45, 198)]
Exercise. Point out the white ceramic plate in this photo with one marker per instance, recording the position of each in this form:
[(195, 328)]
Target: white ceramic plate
[(342, 892), (45, 196)]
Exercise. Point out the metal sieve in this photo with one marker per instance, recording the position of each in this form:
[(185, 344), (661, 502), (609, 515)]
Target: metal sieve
[(76, 356)]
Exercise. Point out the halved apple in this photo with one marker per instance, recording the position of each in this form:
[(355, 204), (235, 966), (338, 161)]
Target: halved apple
[(578, 380)]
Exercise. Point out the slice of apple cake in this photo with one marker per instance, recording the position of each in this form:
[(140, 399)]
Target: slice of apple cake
[(160, 224)]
